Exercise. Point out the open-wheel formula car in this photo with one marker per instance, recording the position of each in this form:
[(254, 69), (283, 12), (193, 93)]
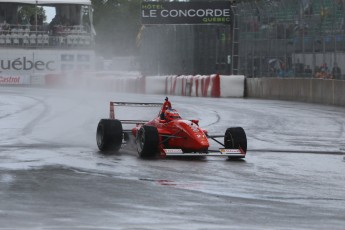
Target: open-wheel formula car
[(167, 135)]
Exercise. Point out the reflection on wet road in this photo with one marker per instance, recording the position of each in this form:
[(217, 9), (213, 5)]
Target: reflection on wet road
[(53, 177)]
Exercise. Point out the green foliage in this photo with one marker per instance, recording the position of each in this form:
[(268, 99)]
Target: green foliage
[(28, 13), (117, 23)]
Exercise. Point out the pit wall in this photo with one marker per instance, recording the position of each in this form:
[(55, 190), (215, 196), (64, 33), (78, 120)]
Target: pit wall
[(323, 91)]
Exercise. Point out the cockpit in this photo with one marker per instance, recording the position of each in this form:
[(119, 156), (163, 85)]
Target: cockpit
[(171, 114)]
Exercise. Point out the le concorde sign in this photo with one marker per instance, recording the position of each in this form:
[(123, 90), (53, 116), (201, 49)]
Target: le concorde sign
[(213, 12)]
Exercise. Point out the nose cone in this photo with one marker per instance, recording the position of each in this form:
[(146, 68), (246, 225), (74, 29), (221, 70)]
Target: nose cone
[(202, 143), (197, 139)]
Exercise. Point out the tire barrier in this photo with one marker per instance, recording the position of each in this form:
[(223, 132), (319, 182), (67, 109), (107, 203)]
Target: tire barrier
[(184, 85), (195, 86), (206, 85)]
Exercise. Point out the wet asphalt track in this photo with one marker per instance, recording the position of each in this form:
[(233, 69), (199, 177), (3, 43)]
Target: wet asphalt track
[(53, 177)]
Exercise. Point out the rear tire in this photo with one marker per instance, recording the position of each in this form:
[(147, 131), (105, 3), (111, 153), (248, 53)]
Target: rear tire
[(109, 135), (235, 138), (147, 140)]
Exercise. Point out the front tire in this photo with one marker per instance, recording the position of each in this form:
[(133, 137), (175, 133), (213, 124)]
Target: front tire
[(147, 141), (109, 135), (235, 138)]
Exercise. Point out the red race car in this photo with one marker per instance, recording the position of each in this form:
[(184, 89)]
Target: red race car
[(167, 135)]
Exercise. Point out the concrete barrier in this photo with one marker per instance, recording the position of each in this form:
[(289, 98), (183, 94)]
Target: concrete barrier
[(339, 92), (324, 91), (38, 80), (117, 82), (232, 85)]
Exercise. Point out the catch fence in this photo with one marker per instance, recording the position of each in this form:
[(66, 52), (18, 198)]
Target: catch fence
[(268, 38), (291, 38)]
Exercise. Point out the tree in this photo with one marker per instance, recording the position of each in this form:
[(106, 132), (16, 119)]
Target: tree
[(117, 23), (29, 13)]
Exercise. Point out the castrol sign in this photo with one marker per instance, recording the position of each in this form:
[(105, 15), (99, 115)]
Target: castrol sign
[(14, 80)]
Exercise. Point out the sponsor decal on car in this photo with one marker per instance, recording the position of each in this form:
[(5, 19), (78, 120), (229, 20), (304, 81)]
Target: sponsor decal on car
[(173, 151), (225, 151)]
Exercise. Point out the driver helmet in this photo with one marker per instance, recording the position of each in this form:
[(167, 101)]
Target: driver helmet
[(171, 114)]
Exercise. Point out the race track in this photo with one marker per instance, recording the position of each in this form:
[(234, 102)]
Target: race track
[(52, 175)]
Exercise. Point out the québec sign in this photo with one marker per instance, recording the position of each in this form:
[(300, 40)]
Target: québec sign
[(215, 12), (23, 63)]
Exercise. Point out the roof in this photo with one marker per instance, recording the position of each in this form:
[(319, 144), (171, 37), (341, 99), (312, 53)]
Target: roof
[(42, 2)]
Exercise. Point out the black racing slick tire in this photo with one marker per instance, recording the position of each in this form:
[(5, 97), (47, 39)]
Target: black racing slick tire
[(235, 138), (147, 140), (109, 135)]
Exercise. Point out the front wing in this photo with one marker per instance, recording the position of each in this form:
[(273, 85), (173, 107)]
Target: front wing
[(238, 153)]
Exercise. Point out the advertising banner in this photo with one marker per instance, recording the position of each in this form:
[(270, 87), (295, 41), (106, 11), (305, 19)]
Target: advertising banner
[(213, 12), (14, 80), (21, 62)]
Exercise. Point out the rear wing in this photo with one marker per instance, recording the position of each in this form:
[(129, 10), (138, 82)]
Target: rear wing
[(130, 104)]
